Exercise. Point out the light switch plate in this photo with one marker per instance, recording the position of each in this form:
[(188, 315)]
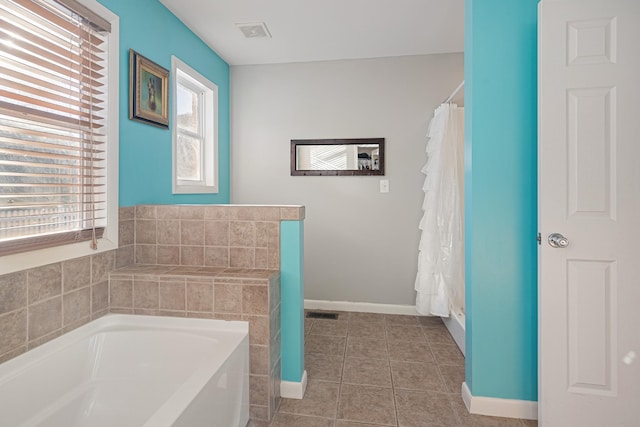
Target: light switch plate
[(384, 185)]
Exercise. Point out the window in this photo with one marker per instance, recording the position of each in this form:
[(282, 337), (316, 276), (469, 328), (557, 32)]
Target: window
[(195, 131), (58, 146)]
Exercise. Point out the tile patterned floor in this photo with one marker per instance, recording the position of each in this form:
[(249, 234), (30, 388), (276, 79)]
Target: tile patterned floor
[(375, 370)]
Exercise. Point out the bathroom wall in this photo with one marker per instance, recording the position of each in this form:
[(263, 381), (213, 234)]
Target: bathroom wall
[(145, 151), (39, 304), (501, 198), (360, 244)]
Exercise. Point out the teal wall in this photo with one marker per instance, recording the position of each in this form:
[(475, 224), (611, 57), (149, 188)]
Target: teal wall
[(501, 198), (292, 309), (145, 151)]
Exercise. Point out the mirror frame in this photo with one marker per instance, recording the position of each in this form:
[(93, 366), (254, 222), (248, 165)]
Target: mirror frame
[(328, 172)]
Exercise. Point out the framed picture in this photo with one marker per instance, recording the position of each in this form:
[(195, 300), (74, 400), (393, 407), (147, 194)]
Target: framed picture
[(148, 91)]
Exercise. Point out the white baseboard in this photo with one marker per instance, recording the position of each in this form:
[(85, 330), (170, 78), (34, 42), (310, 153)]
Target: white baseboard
[(363, 307), (508, 408), (293, 390), (455, 325)]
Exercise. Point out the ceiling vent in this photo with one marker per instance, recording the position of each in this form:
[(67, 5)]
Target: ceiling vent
[(254, 30)]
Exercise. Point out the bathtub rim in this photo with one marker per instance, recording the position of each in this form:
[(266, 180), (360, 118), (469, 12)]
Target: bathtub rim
[(184, 393)]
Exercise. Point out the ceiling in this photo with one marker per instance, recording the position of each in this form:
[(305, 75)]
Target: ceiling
[(321, 30)]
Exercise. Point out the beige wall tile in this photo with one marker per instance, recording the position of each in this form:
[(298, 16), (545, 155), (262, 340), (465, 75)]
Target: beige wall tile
[(100, 297), (76, 273), (126, 232), (145, 294), (242, 257), (44, 339), (168, 232), (146, 231), (192, 232), (192, 255), (126, 213), (242, 233), (191, 212), (167, 212), (199, 295), (228, 316), (228, 298), (257, 412), (216, 256), (125, 256), (259, 359), (216, 233), (274, 259), (146, 254), (45, 317), (264, 231), (216, 212), (259, 389), (168, 255), (101, 265), (172, 295), (13, 353), (145, 212), (121, 293), (13, 327), (258, 329), (44, 282), (255, 299), (261, 258), (294, 213), (76, 306)]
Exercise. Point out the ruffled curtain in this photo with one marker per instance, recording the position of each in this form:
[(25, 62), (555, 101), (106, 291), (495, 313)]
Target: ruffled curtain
[(440, 279)]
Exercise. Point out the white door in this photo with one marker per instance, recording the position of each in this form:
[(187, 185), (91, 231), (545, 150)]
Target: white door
[(589, 191)]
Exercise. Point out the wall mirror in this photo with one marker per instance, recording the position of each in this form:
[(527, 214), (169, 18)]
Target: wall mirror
[(359, 156)]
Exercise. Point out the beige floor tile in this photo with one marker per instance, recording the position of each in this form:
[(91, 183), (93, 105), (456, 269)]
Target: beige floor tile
[(447, 354), (352, 424), (367, 348), (329, 327), (325, 344), (430, 321), (424, 409), (323, 367), (290, 420), (411, 351), (366, 317), (369, 330), (405, 333), (417, 376), (367, 404), (320, 400), (438, 336), (453, 376), (399, 319), (366, 372), (308, 324)]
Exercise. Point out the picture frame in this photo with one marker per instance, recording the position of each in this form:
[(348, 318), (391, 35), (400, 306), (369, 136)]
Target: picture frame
[(148, 91)]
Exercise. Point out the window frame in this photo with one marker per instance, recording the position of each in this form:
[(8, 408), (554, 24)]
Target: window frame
[(30, 259), (207, 127)]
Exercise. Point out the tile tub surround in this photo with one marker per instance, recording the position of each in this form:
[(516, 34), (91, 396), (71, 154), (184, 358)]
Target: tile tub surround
[(251, 295), (39, 304), (237, 236)]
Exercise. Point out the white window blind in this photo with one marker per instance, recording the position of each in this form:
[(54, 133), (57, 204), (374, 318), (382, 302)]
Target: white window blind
[(53, 108)]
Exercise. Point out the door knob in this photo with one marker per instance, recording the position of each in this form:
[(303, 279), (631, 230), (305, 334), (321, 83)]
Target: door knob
[(557, 240)]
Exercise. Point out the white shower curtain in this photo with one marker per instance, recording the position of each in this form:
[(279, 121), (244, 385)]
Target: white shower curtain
[(440, 278)]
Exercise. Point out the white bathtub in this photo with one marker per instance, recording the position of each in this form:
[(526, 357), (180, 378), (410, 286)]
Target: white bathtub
[(123, 370)]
